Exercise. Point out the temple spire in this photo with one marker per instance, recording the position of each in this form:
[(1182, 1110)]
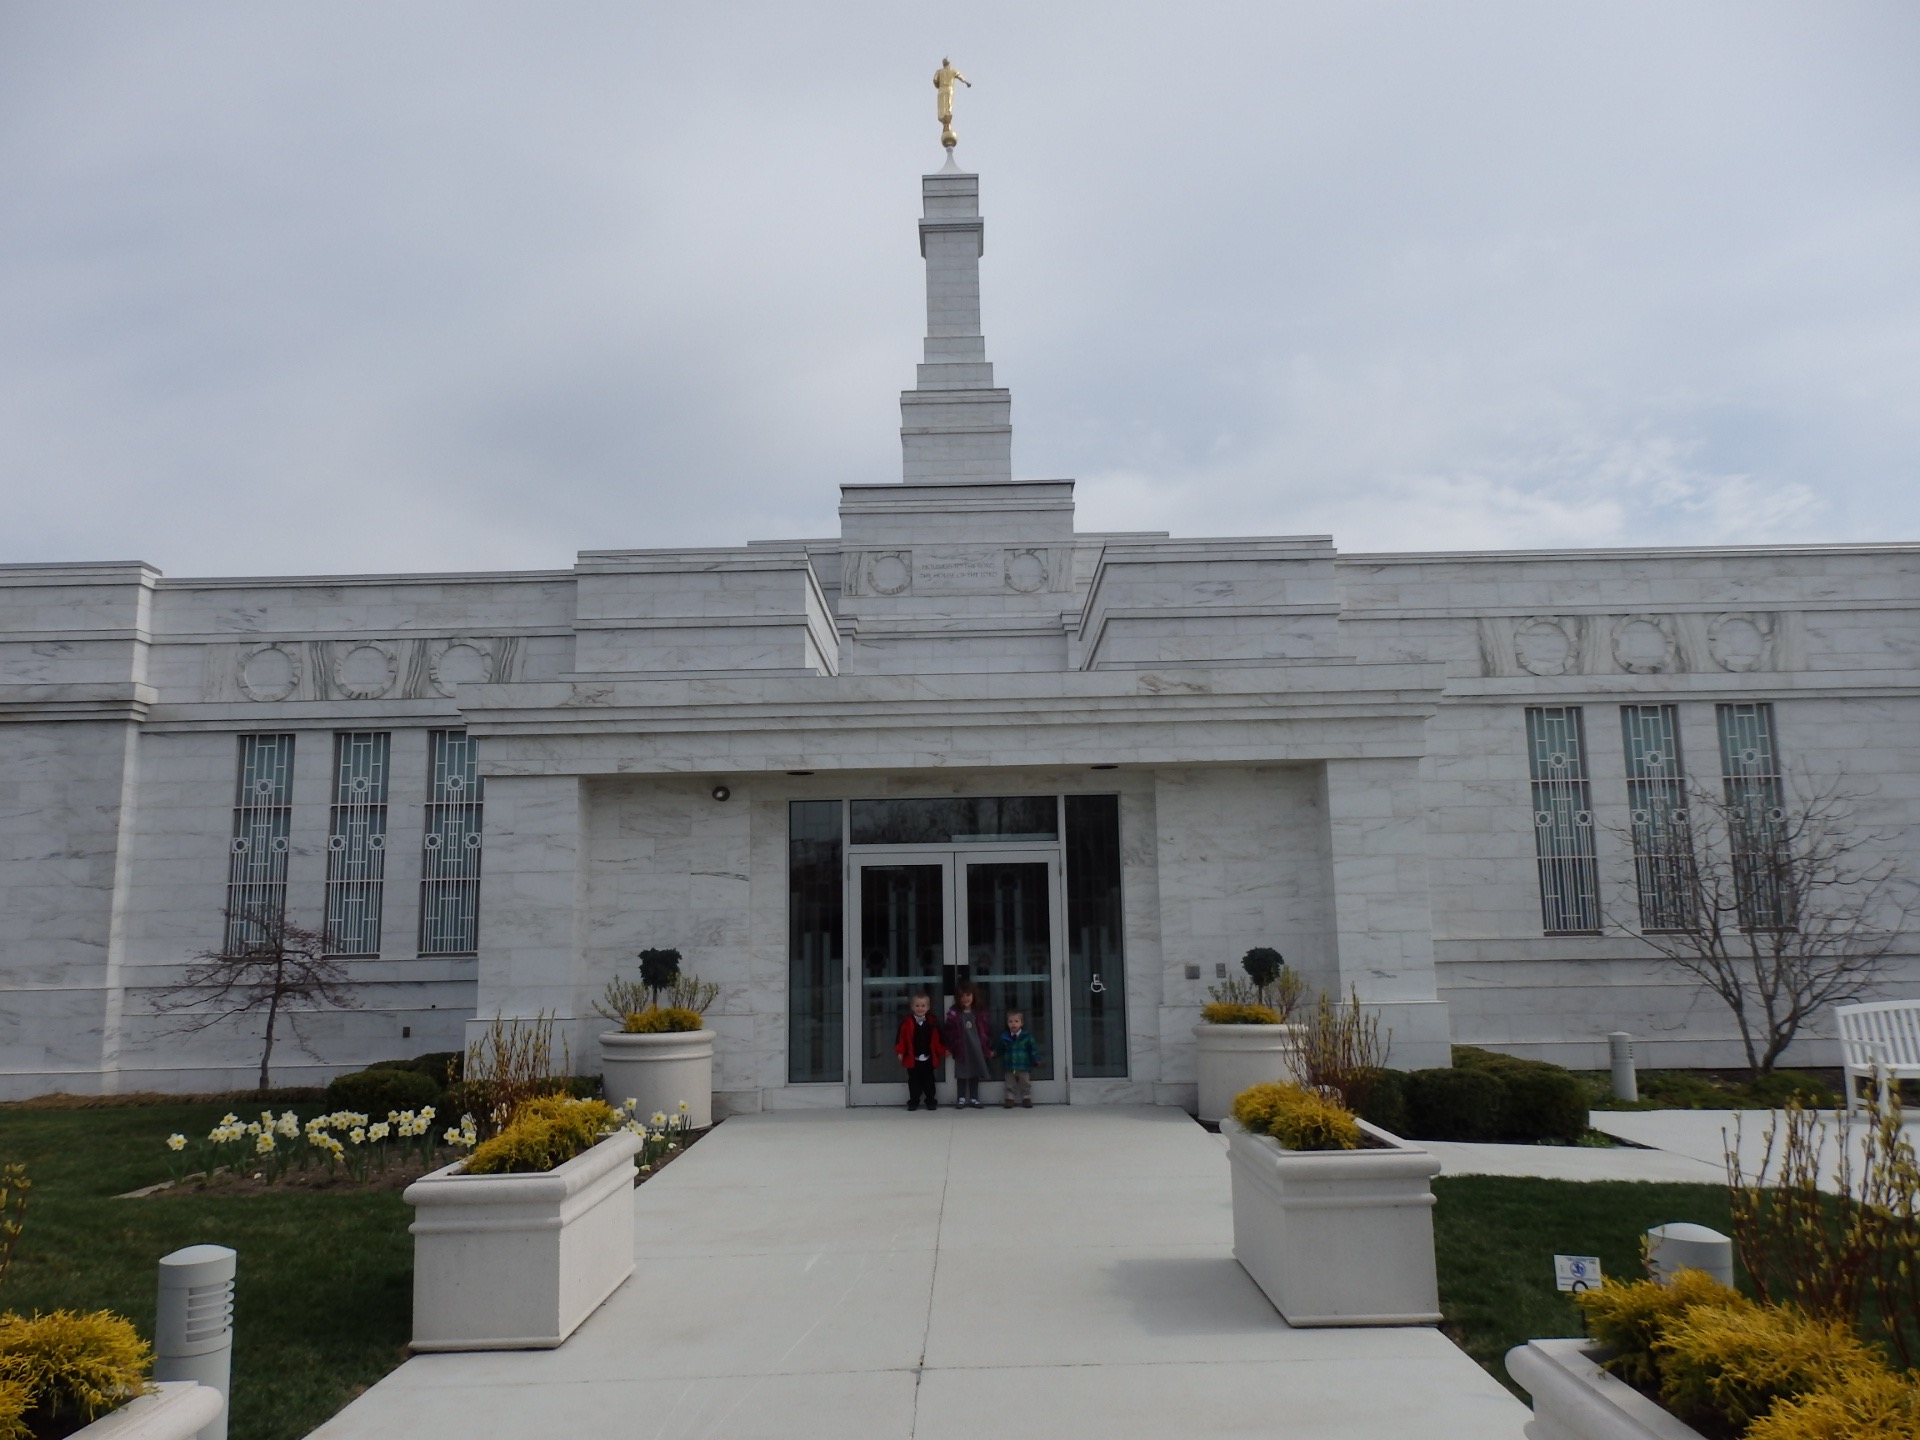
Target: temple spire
[(955, 426)]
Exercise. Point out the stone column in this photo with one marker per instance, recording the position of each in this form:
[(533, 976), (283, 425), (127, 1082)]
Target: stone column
[(533, 894), (1383, 920)]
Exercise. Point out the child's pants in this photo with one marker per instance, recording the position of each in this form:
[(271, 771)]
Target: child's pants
[(920, 1080), (1019, 1088)]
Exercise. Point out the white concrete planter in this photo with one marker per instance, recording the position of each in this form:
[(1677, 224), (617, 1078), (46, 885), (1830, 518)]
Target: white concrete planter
[(659, 1071), (1232, 1057), (171, 1410), (516, 1262), (1336, 1237), (1574, 1399)]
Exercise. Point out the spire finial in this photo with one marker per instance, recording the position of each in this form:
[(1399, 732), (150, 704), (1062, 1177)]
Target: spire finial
[(943, 79)]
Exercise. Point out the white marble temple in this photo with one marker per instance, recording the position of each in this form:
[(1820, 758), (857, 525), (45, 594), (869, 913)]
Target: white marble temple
[(1320, 752)]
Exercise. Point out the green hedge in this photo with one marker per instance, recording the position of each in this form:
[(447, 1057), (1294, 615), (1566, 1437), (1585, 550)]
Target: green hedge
[(1482, 1096), (376, 1091)]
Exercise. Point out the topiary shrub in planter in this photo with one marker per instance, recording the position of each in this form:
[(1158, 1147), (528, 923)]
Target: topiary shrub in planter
[(516, 1245), (1243, 1037), (377, 1091), (1332, 1216), (661, 1057)]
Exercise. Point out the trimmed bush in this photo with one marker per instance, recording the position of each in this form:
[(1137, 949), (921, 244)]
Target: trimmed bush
[(1870, 1405), (374, 1092), (1455, 1104), (663, 1020), (1733, 1362), (1297, 1117), (1542, 1101), (544, 1133), (1386, 1103), (1629, 1318), (70, 1367), (1228, 1012)]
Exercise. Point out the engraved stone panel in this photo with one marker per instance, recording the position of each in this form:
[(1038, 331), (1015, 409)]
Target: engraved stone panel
[(268, 672), (1741, 642), (1545, 646), (1646, 645), (959, 569)]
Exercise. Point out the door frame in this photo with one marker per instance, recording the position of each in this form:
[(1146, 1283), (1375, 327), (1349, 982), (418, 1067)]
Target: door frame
[(953, 859)]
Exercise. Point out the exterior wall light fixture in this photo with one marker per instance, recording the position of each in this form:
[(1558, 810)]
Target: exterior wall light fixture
[(721, 792)]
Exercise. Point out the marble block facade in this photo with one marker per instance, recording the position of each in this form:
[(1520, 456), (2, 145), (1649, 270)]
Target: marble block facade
[(496, 788)]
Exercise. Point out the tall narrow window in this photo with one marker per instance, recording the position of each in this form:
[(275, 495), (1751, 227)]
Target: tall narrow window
[(257, 854), (1657, 805), (450, 866), (1563, 820), (816, 961), (1756, 814), (1096, 942), (357, 842)]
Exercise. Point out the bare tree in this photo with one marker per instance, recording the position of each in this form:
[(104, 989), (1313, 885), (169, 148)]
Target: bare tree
[(1779, 907), (268, 967)]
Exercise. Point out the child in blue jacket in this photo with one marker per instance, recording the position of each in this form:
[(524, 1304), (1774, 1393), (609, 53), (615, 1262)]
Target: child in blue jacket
[(1020, 1053)]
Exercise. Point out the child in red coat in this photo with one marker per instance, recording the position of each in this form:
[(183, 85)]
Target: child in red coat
[(921, 1050)]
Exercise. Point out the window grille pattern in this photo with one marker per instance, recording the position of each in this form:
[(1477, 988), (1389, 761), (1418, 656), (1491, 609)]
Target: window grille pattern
[(450, 864), (257, 853), (1563, 820), (1657, 806), (357, 842), (1756, 815)]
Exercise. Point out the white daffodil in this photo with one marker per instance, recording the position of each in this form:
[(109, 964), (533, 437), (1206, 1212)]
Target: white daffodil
[(263, 1145), (379, 1131), (357, 1135), (176, 1142)]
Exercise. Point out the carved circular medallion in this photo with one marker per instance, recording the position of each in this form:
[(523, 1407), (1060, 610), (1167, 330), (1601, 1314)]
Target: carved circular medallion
[(462, 662), (1543, 647), (1740, 642), (366, 671), (1026, 571), (269, 672), (889, 574), (1645, 645)]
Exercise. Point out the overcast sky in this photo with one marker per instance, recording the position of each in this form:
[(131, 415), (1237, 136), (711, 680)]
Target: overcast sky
[(310, 288)]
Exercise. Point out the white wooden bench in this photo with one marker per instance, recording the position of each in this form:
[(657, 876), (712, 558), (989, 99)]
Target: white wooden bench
[(1878, 1039)]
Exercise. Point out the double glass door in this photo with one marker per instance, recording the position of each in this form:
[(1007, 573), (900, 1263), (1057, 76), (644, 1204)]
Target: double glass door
[(931, 920)]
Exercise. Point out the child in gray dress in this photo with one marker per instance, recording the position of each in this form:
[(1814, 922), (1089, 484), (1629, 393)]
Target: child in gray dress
[(970, 1041)]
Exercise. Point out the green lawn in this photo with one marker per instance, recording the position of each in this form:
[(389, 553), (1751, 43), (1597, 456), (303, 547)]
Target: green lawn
[(1495, 1239), (323, 1301)]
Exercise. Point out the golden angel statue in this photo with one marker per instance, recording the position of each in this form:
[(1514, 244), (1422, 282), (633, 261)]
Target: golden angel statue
[(943, 79)]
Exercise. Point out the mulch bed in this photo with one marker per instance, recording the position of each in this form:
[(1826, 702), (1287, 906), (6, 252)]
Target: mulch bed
[(335, 1181)]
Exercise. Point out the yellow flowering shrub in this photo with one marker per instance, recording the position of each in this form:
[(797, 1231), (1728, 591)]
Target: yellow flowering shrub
[(1866, 1405), (1229, 1012), (13, 1409), (543, 1133), (663, 1020), (69, 1366), (1298, 1118), (1735, 1361), (1630, 1318)]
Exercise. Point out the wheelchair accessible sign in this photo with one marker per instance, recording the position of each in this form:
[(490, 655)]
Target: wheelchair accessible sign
[(1576, 1272)]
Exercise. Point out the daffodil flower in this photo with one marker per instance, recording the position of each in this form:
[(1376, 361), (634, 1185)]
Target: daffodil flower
[(176, 1142)]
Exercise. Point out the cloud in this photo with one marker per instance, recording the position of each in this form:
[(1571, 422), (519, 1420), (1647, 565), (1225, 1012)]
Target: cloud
[(475, 286)]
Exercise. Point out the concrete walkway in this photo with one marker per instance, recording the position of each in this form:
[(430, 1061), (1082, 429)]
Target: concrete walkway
[(1027, 1275)]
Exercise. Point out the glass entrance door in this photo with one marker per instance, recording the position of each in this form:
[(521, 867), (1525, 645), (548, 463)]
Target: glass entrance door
[(932, 920)]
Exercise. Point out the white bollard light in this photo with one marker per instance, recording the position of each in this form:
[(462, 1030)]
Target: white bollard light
[(1682, 1246), (1626, 1083), (193, 1330)]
